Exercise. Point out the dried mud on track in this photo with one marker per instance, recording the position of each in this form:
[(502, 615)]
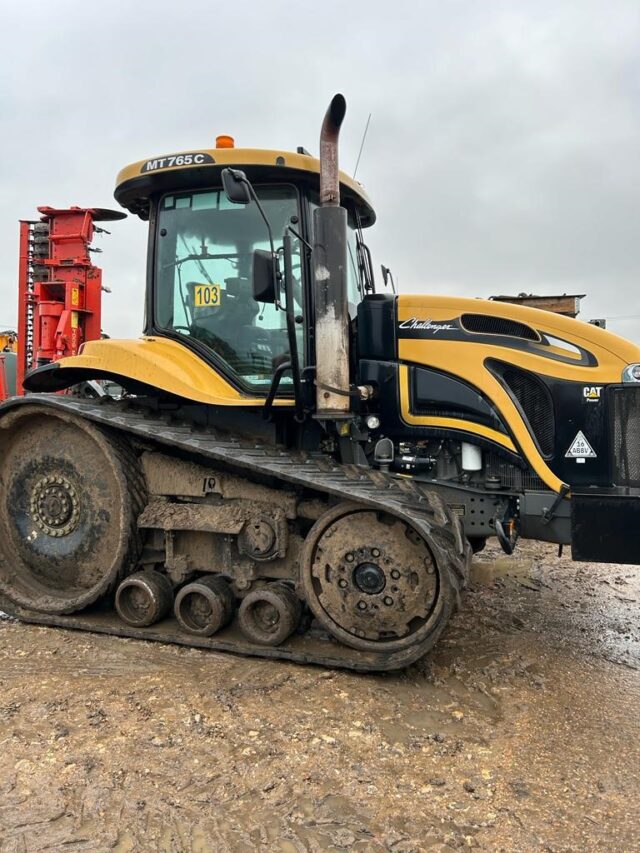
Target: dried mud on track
[(520, 732)]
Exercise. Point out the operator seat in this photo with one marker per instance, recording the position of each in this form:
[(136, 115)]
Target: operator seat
[(229, 328)]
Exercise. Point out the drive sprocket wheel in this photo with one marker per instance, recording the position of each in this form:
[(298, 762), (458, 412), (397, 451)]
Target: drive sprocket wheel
[(69, 500), (374, 582)]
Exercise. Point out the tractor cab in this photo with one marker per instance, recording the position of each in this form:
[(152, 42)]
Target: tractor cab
[(205, 249)]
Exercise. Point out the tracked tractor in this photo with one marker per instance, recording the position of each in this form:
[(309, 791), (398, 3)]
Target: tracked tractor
[(8, 359), (301, 464)]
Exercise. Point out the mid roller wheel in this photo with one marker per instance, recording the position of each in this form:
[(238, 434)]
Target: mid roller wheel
[(205, 606), (144, 598), (268, 615)]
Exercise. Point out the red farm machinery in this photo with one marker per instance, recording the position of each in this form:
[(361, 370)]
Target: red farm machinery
[(59, 292)]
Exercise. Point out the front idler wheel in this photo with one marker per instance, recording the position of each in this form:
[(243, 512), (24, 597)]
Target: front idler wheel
[(144, 598), (70, 495), (268, 615), (205, 606)]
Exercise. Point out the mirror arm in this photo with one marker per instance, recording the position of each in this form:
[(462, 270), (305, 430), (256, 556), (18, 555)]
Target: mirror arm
[(240, 176), (293, 364), (262, 213)]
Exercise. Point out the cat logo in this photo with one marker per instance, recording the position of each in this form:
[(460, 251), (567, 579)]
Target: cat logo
[(591, 393)]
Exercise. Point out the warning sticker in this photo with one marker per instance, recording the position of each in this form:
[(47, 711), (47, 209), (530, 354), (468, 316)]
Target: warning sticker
[(580, 448)]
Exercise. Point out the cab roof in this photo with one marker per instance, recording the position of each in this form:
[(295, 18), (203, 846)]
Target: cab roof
[(188, 170)]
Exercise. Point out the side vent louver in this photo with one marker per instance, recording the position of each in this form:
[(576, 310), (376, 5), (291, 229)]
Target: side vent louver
[(534, 400), (485, 324)]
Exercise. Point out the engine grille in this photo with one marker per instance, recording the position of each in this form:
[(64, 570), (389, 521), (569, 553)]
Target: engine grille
[(626, 436), (485, 324), (536, 404), (512, 477)]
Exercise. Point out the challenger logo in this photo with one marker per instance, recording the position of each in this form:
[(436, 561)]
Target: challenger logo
[(415, 324)]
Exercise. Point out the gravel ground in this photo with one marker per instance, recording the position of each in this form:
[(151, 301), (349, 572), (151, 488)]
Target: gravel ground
[(520, 732)]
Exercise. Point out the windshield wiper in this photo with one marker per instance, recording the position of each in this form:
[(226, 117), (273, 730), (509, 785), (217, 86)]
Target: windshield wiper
[(199, 263), (200, 257)]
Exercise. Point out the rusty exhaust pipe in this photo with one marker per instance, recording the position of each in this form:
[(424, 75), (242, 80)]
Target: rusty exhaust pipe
[(329, 179), (330, 270)]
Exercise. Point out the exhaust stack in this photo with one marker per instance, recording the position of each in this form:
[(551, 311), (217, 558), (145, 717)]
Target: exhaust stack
[(330, 271)]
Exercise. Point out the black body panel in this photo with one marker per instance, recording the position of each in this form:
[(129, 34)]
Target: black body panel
[(555, 415), (536, 521), (435, 393), (574, 413), (377, 328), (606, 526)]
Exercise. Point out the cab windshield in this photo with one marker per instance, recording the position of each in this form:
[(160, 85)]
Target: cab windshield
[(205, 248)]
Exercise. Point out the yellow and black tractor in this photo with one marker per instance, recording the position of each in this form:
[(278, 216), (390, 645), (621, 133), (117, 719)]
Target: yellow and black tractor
[(8, 361), (300, 466), (8, 341)]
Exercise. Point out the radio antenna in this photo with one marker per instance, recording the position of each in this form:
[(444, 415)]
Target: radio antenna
[(364, 136)]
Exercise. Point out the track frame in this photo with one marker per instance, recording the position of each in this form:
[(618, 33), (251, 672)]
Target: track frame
[(419, 507)]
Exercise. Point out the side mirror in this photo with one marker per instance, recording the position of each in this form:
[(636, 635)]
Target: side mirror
[(263, 281), (236, 186), (387, 277)]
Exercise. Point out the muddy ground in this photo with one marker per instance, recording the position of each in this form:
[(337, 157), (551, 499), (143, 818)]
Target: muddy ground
[(520, 732)]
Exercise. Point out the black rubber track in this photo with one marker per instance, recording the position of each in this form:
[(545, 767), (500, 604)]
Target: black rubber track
[(420, 507), (138, 495)]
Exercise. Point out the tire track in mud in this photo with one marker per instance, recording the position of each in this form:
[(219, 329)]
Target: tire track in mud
[(93, 655)]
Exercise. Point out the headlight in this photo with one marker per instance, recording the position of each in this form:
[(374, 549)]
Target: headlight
[(373, 422), (631, 373)]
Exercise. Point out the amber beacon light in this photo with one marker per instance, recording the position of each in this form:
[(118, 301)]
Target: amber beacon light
[(225, 141)]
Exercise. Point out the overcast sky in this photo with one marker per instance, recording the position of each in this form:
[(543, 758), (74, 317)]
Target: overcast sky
[(503, 153)]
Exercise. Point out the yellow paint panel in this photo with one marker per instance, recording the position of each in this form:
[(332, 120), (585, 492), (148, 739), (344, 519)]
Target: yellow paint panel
[(612, 352), (246, 157), (163, 364)]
